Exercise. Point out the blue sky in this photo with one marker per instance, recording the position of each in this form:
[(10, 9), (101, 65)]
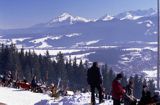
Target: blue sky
[(24, 13)]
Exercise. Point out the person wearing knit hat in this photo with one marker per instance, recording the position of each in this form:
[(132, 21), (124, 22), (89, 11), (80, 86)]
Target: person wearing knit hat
[(117, 90)]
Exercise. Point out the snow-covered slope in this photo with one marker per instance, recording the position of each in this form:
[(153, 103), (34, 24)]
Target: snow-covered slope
[(12, 96)]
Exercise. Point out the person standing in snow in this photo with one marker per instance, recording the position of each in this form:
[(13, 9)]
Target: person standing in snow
[(129, 98), (117, 90), (94, 79)]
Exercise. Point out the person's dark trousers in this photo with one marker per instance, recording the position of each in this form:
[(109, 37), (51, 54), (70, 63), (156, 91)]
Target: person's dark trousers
[(98, 87), (116, 102), (134, 103)]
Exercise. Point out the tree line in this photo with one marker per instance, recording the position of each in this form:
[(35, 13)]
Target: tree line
[(73, 75)]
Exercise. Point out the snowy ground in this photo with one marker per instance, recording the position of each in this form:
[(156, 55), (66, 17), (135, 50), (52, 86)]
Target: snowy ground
[(151, 73), (11, 96)]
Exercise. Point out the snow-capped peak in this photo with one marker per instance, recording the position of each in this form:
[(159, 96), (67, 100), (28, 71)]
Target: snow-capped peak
[(62, 17), (68, 18), (130, 16), (133, 15), (77, 18), (106, 18), (65, 14)]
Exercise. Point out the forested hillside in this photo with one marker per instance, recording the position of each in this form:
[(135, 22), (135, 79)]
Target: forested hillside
[(73, 75)]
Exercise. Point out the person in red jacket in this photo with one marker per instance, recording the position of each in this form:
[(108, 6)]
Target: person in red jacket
[(117, 90)]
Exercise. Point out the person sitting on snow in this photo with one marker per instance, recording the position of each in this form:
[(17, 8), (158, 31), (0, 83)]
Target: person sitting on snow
[(3, 80), (34, 83), (146, 96), (10, 78), (54, 91), (24, 80), (156, 97)]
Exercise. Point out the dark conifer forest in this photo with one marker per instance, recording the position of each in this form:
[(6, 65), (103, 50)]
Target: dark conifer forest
[(73, 75)]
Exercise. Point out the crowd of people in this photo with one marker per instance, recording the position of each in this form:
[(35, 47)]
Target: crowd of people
[(119, 93), (7, 80)]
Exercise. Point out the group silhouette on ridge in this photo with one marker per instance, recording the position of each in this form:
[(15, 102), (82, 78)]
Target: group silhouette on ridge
[(119, 93)]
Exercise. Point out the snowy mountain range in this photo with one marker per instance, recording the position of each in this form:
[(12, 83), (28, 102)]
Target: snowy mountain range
[(63, 19), (92, 37), (66, 23)]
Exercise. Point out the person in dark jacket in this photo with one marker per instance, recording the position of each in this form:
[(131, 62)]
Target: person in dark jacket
[(129, 98), (34, 83), (117, 90), (24, 80), (94, 79), (146, 96), (3, 80)]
